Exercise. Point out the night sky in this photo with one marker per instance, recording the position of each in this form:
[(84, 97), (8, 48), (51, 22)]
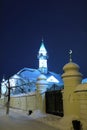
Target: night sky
[(23, 23)]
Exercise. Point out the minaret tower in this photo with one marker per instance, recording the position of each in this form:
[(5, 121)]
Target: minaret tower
[(42, 56)]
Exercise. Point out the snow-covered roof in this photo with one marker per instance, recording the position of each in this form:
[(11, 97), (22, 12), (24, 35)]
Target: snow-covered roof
[(33, 74), (84, 80)]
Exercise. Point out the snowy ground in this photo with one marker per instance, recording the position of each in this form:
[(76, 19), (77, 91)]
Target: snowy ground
[(62, 123), (59, 123), (19, 120)]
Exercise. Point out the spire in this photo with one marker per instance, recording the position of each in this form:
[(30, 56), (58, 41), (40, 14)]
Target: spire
[(70, 55), (42, 49)]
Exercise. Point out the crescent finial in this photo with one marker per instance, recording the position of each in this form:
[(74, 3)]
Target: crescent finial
[(70, 54)]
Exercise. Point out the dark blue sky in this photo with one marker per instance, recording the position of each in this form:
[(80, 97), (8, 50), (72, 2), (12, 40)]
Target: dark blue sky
[(62, 24)]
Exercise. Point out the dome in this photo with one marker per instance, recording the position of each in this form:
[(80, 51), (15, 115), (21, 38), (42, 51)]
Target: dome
[(42, 80), (71, 65), (42, 83), (81, 87), (71, 69), (42, 77)]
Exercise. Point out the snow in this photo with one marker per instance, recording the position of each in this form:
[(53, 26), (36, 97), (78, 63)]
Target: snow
[(61, 123), (84, 81), (37, 114), (24, 94)]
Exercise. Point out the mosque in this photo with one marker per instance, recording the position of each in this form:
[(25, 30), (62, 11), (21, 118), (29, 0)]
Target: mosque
[(25, 79)]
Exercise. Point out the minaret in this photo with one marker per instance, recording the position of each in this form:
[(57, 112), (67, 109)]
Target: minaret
[(42, 56)]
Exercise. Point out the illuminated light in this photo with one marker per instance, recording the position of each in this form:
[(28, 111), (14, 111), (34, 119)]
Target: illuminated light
[(52, 79)]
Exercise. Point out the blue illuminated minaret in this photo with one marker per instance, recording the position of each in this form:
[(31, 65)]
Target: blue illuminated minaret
[(42, 56)]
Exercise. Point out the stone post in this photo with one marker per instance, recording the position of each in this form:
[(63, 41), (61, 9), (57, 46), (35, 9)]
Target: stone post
[(41, 85), (71, 77)]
